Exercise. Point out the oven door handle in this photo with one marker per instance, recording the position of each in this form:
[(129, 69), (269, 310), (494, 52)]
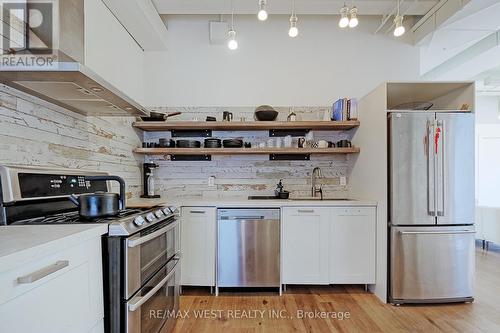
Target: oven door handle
[(143, 299), (144, 239)]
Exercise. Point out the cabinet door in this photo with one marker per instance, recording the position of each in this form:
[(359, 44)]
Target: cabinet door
[(305, 245), (68, 299), (198, 246), (352, 245)]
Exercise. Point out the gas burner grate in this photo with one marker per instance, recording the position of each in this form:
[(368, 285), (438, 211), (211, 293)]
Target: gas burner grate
[(74, 218)]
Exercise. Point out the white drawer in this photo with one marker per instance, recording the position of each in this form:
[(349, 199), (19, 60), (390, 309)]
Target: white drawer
[(354, 211), (22, 279)]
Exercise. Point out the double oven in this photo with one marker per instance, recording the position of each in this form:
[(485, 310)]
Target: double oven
[(142, 278)]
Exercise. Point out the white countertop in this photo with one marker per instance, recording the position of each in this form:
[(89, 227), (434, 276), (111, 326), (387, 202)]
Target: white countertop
[(25, 243), (242, 202)]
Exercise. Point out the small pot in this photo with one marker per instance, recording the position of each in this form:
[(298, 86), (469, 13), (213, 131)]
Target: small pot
[(100, 204), (283, 195)]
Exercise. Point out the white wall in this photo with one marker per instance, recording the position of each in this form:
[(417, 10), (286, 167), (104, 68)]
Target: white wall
[(320, 65), (111, 52)]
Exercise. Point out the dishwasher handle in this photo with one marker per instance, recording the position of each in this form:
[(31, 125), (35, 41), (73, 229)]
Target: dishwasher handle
[(239, 218)]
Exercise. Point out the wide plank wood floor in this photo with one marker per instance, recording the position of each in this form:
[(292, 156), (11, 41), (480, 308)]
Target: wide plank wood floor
[(367, 313)]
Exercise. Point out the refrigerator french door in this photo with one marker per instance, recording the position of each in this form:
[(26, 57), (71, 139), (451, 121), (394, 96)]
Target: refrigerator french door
[(431, 207)]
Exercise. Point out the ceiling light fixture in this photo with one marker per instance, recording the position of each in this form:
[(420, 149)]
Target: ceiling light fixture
[(398, 21), (262, 14), (293, 31), (344, 19), (232, 44), (353, 22)]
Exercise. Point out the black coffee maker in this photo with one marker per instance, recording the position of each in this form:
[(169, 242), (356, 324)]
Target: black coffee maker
[(148, 182)]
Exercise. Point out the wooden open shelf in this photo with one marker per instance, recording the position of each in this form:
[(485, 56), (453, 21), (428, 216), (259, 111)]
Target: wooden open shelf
[(152, 126), (244, 151)]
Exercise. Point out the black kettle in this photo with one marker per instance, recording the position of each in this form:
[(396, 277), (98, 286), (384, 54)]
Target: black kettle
[(100, 204)]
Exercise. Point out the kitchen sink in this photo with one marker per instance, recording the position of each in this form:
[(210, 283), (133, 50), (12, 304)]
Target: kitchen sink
[(317, 198), (269, 197)]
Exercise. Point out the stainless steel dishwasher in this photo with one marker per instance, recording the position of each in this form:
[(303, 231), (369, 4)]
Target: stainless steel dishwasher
[(248, 247)]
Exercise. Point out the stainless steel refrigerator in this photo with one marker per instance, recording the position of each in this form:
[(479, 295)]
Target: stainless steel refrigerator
[(431, 213)]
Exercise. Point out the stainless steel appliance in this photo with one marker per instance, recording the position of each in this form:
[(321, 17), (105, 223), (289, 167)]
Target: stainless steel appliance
[(431, 206), (141, 253), (248, 247)]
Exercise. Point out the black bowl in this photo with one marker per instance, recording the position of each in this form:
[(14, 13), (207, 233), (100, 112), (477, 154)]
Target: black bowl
[(166, 143), (266, 115), (188, 144)]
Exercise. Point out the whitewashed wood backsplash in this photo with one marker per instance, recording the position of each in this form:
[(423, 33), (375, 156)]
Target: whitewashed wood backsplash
[(34, 132), (241, 175)]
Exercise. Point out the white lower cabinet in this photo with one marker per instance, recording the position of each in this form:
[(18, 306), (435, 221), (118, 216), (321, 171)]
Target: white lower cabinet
[(328, 245), (352, 246), (198, 234), (60, 293), (305, 245)]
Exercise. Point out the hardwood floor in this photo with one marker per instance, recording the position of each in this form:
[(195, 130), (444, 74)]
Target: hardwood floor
[(367, 313)]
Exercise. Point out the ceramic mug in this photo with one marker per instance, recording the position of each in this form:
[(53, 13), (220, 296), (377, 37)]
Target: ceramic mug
[(344, 144)]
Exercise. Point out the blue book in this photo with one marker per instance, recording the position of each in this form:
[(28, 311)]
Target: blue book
[(337, 109)]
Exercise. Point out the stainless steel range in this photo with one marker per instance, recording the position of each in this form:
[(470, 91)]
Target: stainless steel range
[(141, 253)]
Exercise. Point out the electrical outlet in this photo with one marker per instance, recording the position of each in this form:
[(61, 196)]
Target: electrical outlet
[(343, 181), (211, 181)]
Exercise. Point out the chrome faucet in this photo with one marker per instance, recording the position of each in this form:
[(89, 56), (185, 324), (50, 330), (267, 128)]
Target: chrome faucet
[(315, 189)]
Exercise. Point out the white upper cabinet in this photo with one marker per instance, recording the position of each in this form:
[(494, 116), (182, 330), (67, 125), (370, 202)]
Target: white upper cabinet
[(111, 52), (305, 245), (352, 245), (198, 234)]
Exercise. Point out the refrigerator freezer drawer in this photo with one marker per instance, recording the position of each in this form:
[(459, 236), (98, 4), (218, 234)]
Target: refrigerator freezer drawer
[(432, 264)]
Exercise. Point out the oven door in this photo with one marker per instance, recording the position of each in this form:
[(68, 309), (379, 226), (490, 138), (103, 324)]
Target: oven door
[(147, 252), (155, 305)]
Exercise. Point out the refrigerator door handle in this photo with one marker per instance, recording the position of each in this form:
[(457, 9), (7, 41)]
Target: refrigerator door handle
[(431, 208), (441, 175), (457, 232)]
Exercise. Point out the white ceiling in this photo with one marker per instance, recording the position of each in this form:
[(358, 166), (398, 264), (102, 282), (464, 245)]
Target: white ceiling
[(366, 7)]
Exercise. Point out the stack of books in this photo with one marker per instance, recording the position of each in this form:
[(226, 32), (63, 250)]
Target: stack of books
[(345, 109)]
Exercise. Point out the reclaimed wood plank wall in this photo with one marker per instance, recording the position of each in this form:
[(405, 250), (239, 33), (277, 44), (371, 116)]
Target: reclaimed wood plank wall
[(37, 133)]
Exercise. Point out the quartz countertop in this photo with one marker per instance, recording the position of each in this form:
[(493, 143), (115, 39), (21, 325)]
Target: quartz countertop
[(25, 243), (244, 202)]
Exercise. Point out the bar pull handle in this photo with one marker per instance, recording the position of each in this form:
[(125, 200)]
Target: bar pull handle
[(148, 237), (197, 211), (138, 301), (306, 210), (46, 271), (431, 209), (437, 232), (442, 176), (246, 218)]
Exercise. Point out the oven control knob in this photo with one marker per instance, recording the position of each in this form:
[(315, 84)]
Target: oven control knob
[(166, 211), (159, 213), (139, 221), (150, 217)]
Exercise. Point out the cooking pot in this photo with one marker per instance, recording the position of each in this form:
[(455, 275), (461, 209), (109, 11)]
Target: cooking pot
[(100, 204)]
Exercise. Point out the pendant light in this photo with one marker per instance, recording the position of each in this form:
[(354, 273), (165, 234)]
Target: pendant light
[(262, 14), (353, 22), (293, 31), (232, 44), (344, 19), (398, 21)]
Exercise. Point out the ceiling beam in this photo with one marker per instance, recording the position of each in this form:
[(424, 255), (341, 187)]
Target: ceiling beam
[(311, 7), (142, 22)]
